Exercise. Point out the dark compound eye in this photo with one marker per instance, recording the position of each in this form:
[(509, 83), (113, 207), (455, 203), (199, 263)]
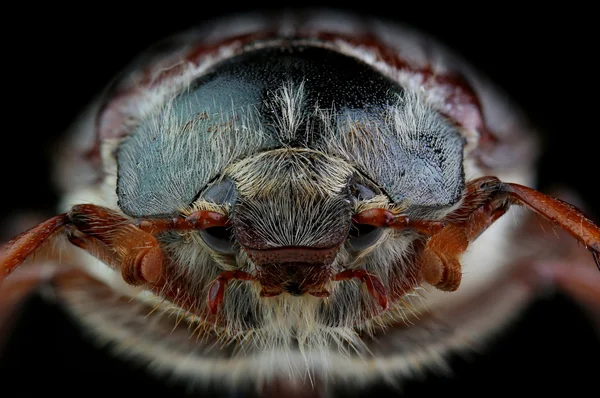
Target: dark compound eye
[(361, 192), (362, 236), (220, 239)]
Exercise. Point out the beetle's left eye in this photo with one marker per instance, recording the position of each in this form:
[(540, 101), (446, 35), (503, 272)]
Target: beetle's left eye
[(220, 239)]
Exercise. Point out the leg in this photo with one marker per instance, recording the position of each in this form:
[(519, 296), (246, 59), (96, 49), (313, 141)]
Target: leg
[(124, 244), (216, 291), (111, 238), (129, 246), (487, 199), (383, 218), (137, 254), (374, 285), (22, 246)]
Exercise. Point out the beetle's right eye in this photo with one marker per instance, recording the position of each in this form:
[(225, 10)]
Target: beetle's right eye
[(362, 236), (220, 239)]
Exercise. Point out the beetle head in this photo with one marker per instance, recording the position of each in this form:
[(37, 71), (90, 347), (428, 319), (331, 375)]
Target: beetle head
[(291, 216)]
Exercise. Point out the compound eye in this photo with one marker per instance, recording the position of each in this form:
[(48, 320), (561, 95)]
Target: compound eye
[(220, 239), (362, 236), (221, 193)]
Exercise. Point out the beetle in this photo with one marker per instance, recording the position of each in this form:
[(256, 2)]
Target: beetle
[(450, 210)]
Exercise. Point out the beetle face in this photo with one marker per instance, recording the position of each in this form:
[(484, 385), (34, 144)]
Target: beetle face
[(290, 141), (301, 193)]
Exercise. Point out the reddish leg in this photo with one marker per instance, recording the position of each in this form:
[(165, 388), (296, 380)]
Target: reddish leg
[(198, 220), (562, 214), (125, 245), (383, 218), (486, 200), (441, 266), (110, 237), (374, 285), (22, 246), (216, 290), (139, 257)]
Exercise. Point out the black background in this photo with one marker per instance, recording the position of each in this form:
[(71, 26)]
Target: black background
[(56, 61)]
